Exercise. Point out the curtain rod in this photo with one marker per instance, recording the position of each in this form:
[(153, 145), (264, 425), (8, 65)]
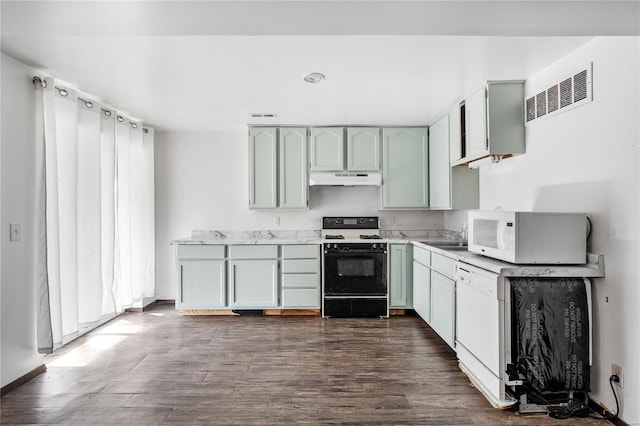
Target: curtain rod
[(88, 104)]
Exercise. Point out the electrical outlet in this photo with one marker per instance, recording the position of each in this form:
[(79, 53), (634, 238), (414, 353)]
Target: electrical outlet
[(276, 220), (394, 220), (617, 371)]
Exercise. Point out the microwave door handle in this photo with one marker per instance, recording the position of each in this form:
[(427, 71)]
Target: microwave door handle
[(502, 229)]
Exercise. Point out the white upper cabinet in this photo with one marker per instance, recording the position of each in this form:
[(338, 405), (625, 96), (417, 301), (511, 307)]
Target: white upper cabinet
[(263, 163), (363, 149), (330, 153), (405, 168), (327, 149), (455, 135), (449, 187), (493, 121), (294, 177), (476, 124), (278, 175), (439, 169)]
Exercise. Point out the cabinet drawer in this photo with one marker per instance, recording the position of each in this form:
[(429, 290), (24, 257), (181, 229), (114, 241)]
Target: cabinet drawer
[(422, 255), (300, 281), (200, 251), (300, 251), (300, 265), (301, 298), (443, 264), (253, 252)]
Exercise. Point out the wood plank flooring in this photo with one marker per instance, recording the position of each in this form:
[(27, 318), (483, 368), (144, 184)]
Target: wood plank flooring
[(158, 367)]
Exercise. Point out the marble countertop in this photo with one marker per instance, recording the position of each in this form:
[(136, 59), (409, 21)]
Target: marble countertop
[(593, 268), (429, 239), (251, 237), (307, 237)]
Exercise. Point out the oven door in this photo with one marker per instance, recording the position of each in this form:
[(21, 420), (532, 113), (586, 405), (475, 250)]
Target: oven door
[(355, 272)]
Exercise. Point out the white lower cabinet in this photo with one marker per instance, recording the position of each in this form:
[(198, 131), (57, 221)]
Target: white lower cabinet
[(422, 283), (434, 292), (201, 284), (200, 276), (247, 276), (253, 284), (300, 276), (443, 307), (422, 291), (400, 276)]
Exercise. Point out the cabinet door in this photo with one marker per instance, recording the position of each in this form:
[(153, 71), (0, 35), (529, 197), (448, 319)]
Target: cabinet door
[(294, 185), (263, 168), (443, 315), (439, 168), (400, 276), (405, 171), (422, 291), (253, 284), (201, 284), (476, 123), (363, 149), (455, 135), (327, 149)]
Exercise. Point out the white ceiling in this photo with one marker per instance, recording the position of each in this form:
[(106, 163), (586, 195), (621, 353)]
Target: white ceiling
[(204, 65)]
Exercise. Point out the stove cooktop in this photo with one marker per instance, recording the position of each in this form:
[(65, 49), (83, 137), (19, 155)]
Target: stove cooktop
[(350, 228)]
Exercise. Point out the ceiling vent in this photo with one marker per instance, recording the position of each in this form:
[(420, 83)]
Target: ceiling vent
[(263, 115), (564, 95)]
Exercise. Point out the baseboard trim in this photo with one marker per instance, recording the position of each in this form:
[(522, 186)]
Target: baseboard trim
[(265, 312), (151, 305), (292, 312), (22, 380), (608, 415), (187, 312)]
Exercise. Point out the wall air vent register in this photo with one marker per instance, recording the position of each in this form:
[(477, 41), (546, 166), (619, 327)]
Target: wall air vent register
[(568, 93)]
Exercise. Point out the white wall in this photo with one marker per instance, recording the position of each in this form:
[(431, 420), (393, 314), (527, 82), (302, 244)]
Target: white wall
[(202, 182), (18, 354), (587, 160)]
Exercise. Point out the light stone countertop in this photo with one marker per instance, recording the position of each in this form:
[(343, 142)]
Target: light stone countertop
[(251, 237), (307, 237), (594, 268), (429, 239)]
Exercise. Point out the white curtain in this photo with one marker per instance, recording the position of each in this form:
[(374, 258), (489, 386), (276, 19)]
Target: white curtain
[(95, 202)]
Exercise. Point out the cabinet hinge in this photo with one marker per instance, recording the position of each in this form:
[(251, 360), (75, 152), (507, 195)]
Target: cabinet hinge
[(486, 144)]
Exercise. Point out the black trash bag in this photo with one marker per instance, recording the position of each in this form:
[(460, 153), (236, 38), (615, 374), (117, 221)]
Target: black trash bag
[(550, 333)]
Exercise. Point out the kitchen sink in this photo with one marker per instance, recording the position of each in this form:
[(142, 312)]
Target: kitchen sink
[(446, 246), (451, 247)]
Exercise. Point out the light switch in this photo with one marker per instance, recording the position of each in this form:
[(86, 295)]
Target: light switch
[(14, 232)]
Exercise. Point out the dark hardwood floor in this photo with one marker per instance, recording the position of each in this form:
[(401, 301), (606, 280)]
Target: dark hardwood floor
[(158, 367)]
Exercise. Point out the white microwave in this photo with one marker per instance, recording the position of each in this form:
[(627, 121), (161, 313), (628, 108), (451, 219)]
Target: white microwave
[(529, 237)]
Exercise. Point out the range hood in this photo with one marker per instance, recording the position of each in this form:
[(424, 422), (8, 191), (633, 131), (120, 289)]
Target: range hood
[(345, 179)]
